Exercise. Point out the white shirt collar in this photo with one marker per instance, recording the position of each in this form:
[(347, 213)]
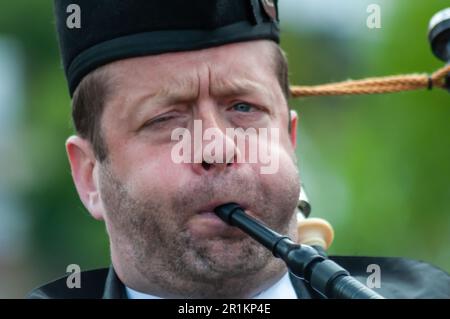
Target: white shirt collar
[(282, 289)]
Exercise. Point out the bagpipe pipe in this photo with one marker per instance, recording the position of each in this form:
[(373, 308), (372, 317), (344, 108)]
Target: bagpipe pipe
[(307, 259)]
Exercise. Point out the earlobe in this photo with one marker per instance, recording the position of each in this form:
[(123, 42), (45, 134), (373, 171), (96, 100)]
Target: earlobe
[(83, 164), (293, 133)]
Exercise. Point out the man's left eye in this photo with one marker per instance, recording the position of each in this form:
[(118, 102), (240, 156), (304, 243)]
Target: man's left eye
[(243, 107)]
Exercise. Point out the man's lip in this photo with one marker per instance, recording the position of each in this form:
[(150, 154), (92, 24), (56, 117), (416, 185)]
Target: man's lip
[(208, 225)]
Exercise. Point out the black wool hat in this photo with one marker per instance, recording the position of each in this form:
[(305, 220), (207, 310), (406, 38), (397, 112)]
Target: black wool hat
[(95, 32)]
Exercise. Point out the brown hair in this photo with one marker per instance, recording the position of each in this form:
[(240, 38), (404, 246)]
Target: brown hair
[(91, 94)]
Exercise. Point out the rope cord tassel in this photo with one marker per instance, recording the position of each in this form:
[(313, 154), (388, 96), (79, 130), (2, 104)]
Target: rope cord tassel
[(376, 85)]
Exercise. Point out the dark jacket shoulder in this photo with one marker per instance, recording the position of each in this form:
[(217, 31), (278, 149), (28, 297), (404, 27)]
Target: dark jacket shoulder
[(95, 284), (399, 277)]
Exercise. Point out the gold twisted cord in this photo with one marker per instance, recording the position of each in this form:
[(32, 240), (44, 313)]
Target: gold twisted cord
[(375, 85)]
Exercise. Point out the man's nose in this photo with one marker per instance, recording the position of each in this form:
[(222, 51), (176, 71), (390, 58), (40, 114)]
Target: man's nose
[(215, 152)]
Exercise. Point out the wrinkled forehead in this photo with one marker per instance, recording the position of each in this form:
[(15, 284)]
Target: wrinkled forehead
[(247, 64)]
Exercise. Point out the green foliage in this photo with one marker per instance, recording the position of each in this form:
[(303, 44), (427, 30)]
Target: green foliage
[(377, 167)]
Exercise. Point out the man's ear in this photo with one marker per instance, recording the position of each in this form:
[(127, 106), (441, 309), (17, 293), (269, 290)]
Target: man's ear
[(84, 168), (293, 123)]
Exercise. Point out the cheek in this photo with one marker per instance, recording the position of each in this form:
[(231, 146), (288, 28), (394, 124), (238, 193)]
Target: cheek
[(148, 169), (275, 147), (280, 166), (281, 175)]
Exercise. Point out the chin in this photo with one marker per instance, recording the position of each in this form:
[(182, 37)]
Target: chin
[(227, 257)]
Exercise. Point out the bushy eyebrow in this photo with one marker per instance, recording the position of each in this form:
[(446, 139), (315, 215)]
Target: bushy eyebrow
[(237, 87), (172, 92), (184, 90)]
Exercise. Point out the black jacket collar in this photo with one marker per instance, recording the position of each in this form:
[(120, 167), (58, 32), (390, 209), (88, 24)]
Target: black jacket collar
[(400, 278)]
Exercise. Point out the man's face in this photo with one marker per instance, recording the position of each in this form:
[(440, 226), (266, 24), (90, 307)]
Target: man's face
[(158, 213)]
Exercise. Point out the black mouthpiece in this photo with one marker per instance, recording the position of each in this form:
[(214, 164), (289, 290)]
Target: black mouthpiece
[(234, 215), (225, 211)]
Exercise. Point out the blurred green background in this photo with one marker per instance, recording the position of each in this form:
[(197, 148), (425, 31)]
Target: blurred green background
[(376, 167)]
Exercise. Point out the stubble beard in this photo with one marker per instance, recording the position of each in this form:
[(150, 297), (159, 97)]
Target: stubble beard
[(151, 245)]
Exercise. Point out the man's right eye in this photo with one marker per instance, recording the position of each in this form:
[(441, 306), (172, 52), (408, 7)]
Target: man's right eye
[(158, 120), (243, 107)]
